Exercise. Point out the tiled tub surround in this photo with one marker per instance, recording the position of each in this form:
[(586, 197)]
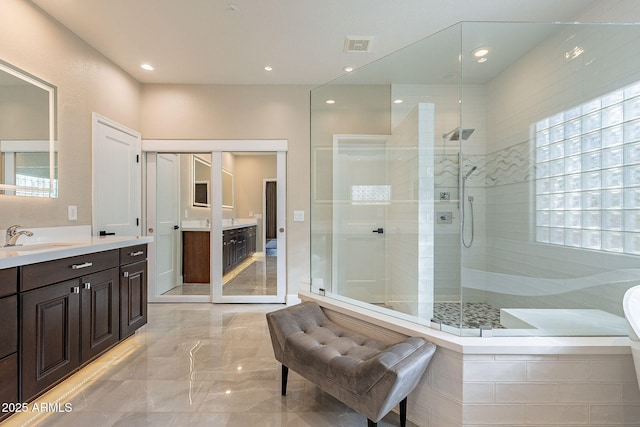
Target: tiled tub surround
[(516, 381)]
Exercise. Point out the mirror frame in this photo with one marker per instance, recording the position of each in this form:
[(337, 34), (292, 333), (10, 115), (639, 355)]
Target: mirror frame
[(35, 145), (228, 194), (197, 184)]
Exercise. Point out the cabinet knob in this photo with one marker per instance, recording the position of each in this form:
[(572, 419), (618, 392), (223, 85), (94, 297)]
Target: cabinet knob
[(125, 274), (75, 290), (87, 285)]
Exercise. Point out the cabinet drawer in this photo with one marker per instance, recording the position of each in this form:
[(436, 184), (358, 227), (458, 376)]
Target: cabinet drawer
[(133, 254), (8, 281), (46, 273), (9, 325)]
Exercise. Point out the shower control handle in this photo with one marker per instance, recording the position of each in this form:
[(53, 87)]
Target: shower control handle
[(378, 230)]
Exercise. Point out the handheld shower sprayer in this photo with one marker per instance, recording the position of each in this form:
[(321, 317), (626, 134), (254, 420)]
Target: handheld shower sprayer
[(469, 173), (462, 204)]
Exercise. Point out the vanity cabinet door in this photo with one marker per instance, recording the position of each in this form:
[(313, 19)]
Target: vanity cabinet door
[(251, 240), (100, 313), (50, 332), (133, 297), (9, 325), (195, 256), (8, 381)]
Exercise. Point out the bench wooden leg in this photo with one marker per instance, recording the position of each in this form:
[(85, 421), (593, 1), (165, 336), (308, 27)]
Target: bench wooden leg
[(403, 412), (285, 374), (371, 423)]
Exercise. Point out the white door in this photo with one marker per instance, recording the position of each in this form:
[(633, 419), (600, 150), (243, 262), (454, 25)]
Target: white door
[(116, 178), (361, 197), (167, 220)]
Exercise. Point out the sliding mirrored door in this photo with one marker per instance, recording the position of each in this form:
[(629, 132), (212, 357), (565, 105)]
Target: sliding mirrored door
[(252, 224)]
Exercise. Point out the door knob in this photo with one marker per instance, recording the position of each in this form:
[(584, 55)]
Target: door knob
[(379, 230), (175, 227)]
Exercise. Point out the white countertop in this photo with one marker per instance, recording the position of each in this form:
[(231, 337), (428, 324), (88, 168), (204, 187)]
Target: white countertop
[(201, 225), (47, 251)]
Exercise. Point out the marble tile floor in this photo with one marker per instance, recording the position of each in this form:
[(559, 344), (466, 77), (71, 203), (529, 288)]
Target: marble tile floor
[(193, 365), (257, 278), (251, 277)]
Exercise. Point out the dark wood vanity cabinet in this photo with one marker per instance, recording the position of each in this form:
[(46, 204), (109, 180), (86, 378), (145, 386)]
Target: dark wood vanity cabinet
[(133, 289), (237, 245), (100, 325), (8, 336), (195, 256), (50, 331), (96, 300)]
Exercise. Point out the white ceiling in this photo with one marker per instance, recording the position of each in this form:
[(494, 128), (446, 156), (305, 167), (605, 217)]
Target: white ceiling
[(205, 42)]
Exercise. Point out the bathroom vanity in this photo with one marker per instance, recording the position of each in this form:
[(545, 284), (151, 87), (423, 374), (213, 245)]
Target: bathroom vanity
[(238, 243), (62, 305)]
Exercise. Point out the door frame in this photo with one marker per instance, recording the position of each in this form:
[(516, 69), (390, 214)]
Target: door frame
[(216, 148), (96, 121), (355, 140)]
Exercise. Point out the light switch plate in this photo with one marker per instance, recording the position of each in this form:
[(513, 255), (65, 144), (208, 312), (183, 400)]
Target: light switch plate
[(72, 213), (298, 216)]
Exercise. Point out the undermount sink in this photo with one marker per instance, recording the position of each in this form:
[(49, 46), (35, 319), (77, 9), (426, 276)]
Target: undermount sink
[(36, 247)]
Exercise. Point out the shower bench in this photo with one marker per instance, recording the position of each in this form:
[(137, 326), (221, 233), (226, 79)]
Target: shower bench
[(367, 375)]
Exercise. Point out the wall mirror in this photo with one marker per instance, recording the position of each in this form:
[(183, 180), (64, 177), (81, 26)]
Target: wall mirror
[(227, 189), (201, 180), (28, 146)]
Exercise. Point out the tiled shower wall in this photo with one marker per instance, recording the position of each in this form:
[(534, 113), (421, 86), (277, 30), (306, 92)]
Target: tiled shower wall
[(541, 84)]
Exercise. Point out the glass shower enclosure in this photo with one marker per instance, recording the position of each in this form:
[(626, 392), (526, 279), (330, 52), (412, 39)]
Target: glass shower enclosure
[(486, 177)]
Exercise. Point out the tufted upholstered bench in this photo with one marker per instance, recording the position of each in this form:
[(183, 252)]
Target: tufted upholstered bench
[(367, 375)]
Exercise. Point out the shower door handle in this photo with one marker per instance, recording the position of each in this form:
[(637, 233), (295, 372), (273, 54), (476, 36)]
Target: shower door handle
[(378, 230)]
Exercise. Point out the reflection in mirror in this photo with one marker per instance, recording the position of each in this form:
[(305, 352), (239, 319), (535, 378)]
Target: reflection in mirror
[(227, 189), (201, 179), (28, 149)]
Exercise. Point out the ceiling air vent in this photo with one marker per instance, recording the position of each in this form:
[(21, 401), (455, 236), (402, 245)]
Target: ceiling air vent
[(357, 44)]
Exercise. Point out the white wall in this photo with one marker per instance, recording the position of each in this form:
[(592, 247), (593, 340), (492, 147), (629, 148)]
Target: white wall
[(243, 112)]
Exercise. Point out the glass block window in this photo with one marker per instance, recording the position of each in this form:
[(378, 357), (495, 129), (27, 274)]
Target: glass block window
[(370, 194), (35, 184), (588, 174)]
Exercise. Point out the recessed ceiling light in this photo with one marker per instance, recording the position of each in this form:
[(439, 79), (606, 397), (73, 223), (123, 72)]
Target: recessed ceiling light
[(480, 52), (483, 59), (348, 69), (147, 67), (330, 101), (268, 68), (398, 101)]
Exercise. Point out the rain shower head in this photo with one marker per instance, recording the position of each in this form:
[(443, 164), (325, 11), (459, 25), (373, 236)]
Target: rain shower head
[(455, 134)]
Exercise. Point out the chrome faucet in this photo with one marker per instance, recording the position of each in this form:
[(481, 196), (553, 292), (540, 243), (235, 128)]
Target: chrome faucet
[(13, 234)]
